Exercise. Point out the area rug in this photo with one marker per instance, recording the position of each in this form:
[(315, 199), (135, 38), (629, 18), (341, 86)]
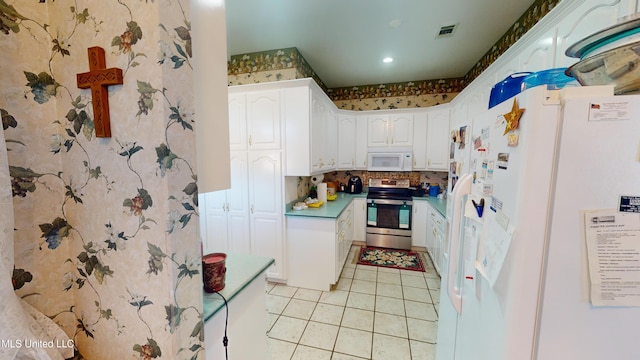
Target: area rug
[(391, 258)]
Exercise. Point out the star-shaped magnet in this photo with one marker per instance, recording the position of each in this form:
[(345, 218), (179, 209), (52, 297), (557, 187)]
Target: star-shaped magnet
[(513, 117)]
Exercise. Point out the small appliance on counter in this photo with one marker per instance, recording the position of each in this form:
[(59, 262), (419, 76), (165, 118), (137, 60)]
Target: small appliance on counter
[(354, 186)]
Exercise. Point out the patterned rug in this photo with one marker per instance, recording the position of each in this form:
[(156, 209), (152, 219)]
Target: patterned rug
[(392, 258)]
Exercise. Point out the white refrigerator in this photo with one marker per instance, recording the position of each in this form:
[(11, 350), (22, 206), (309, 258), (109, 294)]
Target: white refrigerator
[(549, 267)]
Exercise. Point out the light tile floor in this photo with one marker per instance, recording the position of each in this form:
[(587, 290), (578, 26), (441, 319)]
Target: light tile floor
[(374, 313)]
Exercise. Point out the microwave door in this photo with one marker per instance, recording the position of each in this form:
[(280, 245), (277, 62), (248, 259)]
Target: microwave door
[(385, 162)]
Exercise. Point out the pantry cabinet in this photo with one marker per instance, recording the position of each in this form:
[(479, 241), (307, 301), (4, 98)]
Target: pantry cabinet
[(254, 120), (390, 130), (266, 209), (225, 213), (248, 217)]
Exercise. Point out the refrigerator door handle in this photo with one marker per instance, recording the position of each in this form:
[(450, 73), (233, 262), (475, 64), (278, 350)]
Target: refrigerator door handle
[(462, 188)]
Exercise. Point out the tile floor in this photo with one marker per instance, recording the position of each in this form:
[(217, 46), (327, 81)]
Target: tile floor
[(374, 313)]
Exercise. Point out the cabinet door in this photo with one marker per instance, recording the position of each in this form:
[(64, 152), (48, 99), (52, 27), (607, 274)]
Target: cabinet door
[(438, 140), (346, 142), (362, 146), (331, 140), (359, 219), (238, 205), (401, 130), (237, 122), (317, 134), (263, 120), (419, 224), (377, 135), (420, 141), (265, 206), (214, 218)]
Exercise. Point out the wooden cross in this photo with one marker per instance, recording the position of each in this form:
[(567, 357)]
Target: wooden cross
[(98, 79)]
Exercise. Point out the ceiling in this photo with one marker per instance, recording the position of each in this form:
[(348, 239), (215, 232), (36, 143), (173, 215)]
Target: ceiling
[(344, 41)]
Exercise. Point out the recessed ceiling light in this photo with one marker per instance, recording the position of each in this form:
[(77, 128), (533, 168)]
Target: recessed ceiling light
[(395, 23), (387, 60)]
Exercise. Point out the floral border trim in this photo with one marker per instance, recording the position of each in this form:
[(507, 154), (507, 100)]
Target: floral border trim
[(291, 58)]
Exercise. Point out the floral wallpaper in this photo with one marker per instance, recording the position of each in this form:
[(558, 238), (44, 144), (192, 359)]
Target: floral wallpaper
[(288, 64), (106, 228)]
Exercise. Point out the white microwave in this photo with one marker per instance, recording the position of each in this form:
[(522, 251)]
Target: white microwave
[(390, 159)]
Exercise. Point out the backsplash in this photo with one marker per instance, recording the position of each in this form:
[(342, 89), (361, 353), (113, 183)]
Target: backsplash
[(415, 177)]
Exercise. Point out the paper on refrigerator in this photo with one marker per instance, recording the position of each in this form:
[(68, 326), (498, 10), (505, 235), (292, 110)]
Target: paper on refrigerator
[(613, 249), (493, 248)]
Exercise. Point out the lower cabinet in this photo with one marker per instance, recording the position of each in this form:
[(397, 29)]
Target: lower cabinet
[(436, 230), (359, 219), (419, 223), (317, 249)]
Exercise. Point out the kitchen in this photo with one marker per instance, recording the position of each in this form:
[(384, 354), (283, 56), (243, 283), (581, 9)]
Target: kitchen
[(296, 183)]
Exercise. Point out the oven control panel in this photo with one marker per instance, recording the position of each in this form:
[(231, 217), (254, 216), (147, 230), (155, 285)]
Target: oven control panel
[(392, 183)]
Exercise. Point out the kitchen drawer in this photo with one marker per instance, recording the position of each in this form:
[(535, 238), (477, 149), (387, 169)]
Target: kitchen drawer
[(345, 219)]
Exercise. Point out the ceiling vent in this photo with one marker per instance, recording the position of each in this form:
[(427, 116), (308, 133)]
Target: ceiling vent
[(446, 31)]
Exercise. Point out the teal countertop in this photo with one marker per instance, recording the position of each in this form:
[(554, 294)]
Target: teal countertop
[(438, 204), (241, 271), (330, 209)]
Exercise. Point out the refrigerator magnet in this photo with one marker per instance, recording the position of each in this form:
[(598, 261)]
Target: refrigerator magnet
[(512, 139), (503, 161)]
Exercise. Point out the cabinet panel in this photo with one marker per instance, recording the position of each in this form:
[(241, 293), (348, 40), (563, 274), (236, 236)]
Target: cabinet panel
[(377, 131), (214, 222), (346, 142), (359, 219), (438, 140), (401, 130), (420, 141), (419, 224), (265, 199), (361, 142), (263, 119), (237, 122)]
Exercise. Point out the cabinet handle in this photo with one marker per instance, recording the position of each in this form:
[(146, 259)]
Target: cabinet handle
[(250, 140), (252, 208), (353, 162)]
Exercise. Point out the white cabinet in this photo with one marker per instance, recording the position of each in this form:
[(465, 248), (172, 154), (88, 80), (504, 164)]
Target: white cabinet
[(436, 230), (362, 147), (390, 130), (311, 129), (225, 219), (254, 120), (347, 127), (266, 208), (431, 140), (359, 218), (317, 249), (438, 140), (419, 223), (420, 141)]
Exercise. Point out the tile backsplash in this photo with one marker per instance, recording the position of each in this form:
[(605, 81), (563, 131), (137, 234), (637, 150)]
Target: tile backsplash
[(304, 184)]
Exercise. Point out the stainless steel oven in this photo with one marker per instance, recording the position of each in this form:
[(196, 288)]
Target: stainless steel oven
[(389, 204)]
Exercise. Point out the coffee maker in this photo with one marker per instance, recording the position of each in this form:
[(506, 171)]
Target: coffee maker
[(354, 185)]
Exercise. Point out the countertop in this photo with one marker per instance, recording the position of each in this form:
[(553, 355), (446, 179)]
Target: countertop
[(330, 209), (241, 271), (438, 204)]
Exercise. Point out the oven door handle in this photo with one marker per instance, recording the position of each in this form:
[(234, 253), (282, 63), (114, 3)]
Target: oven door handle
[(389, 202)]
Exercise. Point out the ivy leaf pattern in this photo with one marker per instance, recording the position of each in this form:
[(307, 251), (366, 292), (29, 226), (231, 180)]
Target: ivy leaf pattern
[(43, 86), (7, 119), (150, 350), (165, 158), (20, 277), (138, 203), (55, 232), (9, 18)]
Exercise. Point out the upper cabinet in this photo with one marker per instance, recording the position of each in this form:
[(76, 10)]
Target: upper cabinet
[(438, 140), (254, 120), (311, 129), (431, 140), (390, 130), (347, 135)]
